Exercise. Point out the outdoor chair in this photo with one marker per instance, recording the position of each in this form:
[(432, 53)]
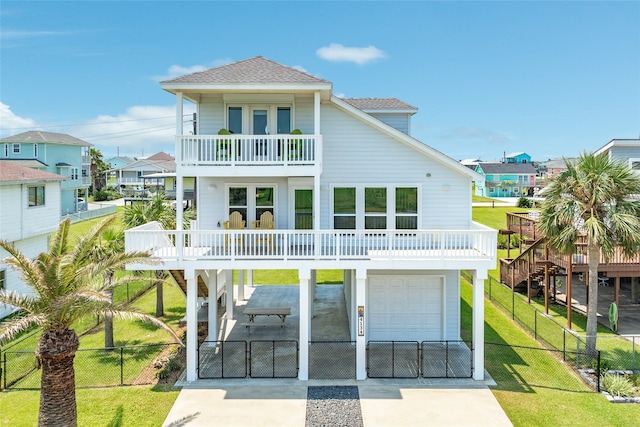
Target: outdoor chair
[(264, 223), (235, 222)]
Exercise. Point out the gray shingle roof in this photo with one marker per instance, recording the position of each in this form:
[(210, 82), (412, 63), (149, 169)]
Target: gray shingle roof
[(252, 70), (36, 136), (518, 168), (370, 104), (11, 172)]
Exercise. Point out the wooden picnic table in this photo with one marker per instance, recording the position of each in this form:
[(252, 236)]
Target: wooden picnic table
[(281, 312)]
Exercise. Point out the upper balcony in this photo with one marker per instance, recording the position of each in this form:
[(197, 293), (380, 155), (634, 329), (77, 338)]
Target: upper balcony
[(276, 155), (264, 249)]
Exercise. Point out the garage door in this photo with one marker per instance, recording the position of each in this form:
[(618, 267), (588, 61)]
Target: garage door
[(405, 308)]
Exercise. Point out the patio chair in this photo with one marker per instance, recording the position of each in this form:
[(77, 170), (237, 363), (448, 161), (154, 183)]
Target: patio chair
[(264, 223), (235, 222)]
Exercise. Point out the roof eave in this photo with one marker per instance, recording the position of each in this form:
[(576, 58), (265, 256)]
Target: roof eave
[(323, 88)]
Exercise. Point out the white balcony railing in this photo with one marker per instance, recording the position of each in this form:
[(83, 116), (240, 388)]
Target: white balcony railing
[(478, 243), (197, 150)]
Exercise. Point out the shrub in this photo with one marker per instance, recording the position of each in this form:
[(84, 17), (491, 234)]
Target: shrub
[(523, 202), (618, 385), (605, 366), (503, 241)]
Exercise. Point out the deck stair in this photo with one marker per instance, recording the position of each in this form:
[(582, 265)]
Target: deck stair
[(178, 276)]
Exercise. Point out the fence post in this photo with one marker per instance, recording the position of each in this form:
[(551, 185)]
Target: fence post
[(121, 365), (598, 372), (535, 324), (564, 344), (633, 353), (3, 369), (513, 305)]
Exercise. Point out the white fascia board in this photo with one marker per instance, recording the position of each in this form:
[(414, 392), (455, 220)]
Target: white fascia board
[(619, 143), (246, 87), (407, 140), (405, 111)]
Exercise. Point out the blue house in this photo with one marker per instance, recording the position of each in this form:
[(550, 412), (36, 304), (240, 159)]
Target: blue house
[(56, 153), (520, 157), (506, 179)]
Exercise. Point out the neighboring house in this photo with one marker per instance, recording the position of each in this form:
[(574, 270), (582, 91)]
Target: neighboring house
[(119, 161), (130, 177), (520, 157), (470, 163), (506, 179), (552, 168), (57, 153), (349, 192), (29, 212), (626, 150)]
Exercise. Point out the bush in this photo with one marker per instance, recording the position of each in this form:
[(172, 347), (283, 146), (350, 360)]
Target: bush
[(503, 241), (618, 385), (105, 194), (523, 202)]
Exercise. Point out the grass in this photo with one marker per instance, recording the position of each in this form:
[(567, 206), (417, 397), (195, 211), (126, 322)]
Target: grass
[(535, 391), (494, 217), (475, 199)]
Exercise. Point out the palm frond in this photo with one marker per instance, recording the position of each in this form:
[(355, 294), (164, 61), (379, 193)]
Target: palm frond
[(12, 327)]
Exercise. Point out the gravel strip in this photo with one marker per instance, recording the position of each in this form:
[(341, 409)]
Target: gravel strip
[(329, 406)]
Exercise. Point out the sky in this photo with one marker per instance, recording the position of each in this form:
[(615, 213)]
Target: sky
[(550, 78)]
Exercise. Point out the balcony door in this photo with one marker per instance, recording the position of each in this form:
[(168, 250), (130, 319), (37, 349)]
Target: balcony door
[(251, 201), (260, 126)]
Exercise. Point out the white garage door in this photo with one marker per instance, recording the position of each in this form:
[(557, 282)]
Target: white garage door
[(405, 308)]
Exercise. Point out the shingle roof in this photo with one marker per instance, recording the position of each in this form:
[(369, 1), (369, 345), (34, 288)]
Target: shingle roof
[(161, 155), (35, 136), (521, 168), (11, 172), (27, 163), (252, 70), (370, 104)]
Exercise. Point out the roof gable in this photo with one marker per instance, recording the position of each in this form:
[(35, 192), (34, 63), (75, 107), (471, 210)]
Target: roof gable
[(256, 70), (37, 136), (12, 172), (381, 104)]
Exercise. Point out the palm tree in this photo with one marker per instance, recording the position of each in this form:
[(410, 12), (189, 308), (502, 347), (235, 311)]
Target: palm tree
[(98, 167), (157, 209), (67, 284), (596, 198)]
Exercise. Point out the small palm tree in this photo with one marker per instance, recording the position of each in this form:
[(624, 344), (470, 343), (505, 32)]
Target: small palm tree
[(596, 198), (68, 284), (157, 209)]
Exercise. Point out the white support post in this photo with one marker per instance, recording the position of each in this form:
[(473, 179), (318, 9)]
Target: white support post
[(179, 183), (316, 113), (361, 326), (479, 277), (250, 278), (229, 294), (305, 324), (240, 285), (212, 313), (192, 324)]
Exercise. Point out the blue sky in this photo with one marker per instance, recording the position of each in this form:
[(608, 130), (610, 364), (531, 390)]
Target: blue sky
[(549, 78)]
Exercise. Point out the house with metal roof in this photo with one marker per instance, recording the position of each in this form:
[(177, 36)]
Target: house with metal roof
[(506, 179), (289, 176), (30, 201), (56, 153)]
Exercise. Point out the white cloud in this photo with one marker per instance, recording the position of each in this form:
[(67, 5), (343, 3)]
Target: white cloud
[(23, 34), (13, 124), (360, 55), (178, 70)]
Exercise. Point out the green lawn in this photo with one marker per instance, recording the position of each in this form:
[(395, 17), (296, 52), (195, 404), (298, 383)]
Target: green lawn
[(475, 199), (494, 217)]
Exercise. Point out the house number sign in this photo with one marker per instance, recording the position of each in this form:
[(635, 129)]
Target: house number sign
[(360, 320)]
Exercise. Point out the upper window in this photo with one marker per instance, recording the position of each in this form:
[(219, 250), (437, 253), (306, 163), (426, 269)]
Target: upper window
[(284, 120), (35, 151), (372, 208), (235, 120), (36, 196), (261, 119), (6, 150), (16, 148), (74, 173), (635, 164)]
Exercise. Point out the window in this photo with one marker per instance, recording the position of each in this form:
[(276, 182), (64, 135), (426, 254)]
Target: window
[(372, 208), (235, 120), (3, 279), (406, 208), (375, 208), (16, 148), (74, 173), (284, 120), (344, 208), (6, 150), (251, 201), (634, 164), (35, 151), (36, 196), (264, 200), (238, 201)]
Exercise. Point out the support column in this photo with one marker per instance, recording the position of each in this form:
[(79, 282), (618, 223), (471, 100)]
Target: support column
[(479, 276), (250, 278), (361, 326), (568, 290), (240, 285), (212, 313), (229, 298), (192, 324), (179, 183), (305, 324)]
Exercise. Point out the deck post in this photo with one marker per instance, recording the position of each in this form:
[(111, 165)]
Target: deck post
[(360, 315), (305, 324), (212, 312), (192, 324), (229, 298), (241, 285), (479, 276), (568, 290)]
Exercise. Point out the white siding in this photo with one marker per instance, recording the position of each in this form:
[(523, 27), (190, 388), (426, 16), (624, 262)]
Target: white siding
[(210, 115), (22, 222), (398, 121), (357, 153)]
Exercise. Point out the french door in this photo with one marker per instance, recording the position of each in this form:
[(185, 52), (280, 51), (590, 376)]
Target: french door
[(251, 201)]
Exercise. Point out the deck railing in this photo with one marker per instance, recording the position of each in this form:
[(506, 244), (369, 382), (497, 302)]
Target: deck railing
[(196, 150), (476, 243)]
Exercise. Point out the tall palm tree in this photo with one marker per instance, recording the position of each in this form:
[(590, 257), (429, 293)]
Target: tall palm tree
[(98, 167), (157, 209), (67, 284), (596, 198)]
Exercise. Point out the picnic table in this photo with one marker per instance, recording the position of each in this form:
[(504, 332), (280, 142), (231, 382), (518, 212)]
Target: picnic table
[(281, 312)]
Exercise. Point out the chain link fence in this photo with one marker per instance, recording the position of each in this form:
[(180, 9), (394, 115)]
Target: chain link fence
[(94, 367)]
